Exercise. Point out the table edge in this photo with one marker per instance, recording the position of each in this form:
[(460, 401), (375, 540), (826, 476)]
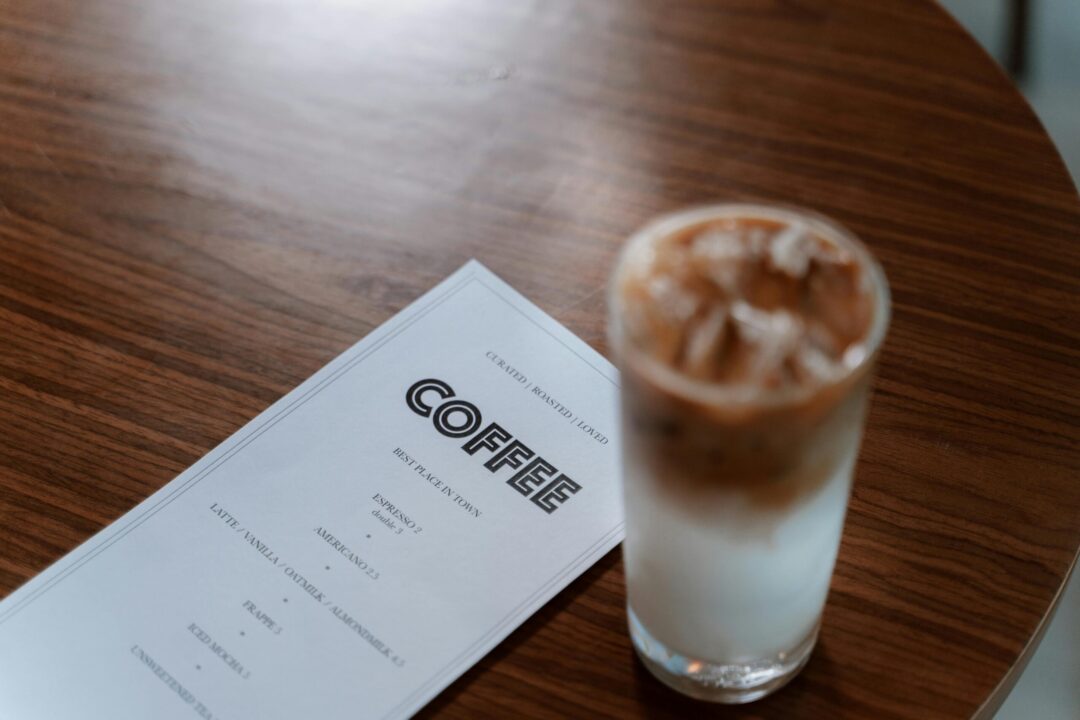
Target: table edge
[(1004, 687)]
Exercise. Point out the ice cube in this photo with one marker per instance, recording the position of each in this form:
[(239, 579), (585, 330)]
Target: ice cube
[(816, 365), (791, 249), (720, 255), (672, 300), (705, 343), (769, 337)]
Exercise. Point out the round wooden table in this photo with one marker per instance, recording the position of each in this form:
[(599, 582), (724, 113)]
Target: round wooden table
[(202, 202)]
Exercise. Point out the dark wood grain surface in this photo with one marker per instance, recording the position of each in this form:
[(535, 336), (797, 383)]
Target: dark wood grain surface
[(202, 202)]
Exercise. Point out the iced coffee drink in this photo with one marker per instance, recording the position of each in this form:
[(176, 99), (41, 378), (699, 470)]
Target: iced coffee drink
[(746, 336)]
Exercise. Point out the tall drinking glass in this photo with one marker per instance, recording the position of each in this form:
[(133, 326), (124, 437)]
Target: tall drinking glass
[(746, 337)]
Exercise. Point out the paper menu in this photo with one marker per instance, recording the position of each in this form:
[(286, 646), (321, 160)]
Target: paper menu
[(356, 546)]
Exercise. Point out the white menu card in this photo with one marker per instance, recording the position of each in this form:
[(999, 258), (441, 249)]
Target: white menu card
[(354, 548)]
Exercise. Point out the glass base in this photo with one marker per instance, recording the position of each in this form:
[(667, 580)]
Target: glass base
[(715, 682)]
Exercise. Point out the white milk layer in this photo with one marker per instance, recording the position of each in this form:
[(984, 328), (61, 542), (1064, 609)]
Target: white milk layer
[(728, 582)]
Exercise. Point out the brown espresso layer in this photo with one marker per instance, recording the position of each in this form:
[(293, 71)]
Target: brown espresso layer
[(777, 317)]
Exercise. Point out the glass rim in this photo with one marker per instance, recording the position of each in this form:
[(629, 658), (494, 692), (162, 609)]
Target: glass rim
[(708, 392)]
